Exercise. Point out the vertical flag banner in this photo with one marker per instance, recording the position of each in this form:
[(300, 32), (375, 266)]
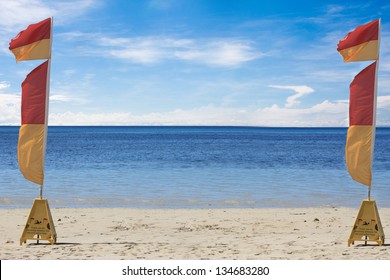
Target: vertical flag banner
[(359, 146), (33, 43), (361, 44), (32, 140)]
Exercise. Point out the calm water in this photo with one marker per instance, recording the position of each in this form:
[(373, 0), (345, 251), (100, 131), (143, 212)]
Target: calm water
[(193, 167)]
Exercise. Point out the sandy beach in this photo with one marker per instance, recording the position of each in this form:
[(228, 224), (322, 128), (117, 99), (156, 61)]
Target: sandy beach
[(193, 234)]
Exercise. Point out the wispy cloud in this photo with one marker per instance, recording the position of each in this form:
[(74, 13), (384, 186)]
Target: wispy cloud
[(220, 52), (71, 10), (20, 13), (300, 92), (4, 85), (61, 97), (74, 87)]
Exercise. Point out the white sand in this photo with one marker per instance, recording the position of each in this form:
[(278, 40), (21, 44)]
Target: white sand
[(195, 234)]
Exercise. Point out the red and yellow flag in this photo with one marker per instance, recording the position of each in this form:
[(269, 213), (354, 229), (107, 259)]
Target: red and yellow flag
[(33, 42), (361, 44), (359, 147), (32, 134)]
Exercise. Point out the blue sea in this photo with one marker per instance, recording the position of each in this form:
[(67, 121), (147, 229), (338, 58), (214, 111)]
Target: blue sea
[(193, 167)]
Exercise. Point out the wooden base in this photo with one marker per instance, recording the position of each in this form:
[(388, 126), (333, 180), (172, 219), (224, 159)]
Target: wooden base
[(39, 225), (368, 226)]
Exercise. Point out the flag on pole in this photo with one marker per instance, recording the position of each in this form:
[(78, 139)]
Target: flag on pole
[(361, 44), (33, 43), (32, 133), (360, 138)]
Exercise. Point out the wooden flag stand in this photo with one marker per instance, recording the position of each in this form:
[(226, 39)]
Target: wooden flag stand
[(367, 225), (39, 225)]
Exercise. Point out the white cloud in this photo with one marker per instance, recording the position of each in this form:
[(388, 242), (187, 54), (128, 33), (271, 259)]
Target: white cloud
[(4, 85), (300, 92), (17, 14), (334, 9), (143, 56), (61, 97), (10, 109), (220, 52), (324, 114), (144, 50), (9, 99), (208, 115), (66, 11), (383, 101), (75, 87)]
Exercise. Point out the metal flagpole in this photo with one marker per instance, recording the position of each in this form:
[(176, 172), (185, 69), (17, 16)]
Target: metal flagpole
[(47, 105), (374, 109)]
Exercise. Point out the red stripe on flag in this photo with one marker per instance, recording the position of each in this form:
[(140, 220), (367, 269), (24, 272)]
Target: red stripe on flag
[(33, 33), (34, 95), (361, 103), (361, 34)]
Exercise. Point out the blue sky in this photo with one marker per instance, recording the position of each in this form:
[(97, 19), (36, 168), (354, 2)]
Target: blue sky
[(194, 62)]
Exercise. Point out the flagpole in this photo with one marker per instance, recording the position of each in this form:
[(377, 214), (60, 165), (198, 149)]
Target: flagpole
[(374, 109), (47, 105)]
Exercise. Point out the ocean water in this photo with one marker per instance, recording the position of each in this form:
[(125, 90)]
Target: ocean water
[(193, 167)]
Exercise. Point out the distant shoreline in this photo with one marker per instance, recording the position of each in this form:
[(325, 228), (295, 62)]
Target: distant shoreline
[(205, 126)]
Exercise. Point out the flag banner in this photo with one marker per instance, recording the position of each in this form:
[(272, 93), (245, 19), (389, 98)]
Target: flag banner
[(31, 143), (361, 44), (359, 146), (361, 100), (33, 42)]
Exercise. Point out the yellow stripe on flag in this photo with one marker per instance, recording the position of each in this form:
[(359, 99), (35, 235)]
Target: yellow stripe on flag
[(358, 153), (30, 152), (365, 51), (37, 50)]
